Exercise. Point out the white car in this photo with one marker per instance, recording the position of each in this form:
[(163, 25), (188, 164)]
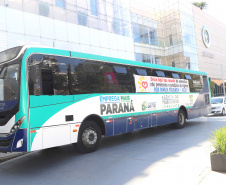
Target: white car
[(218, 105)]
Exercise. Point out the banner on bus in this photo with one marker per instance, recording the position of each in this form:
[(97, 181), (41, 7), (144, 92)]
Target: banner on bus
[(160, 84)]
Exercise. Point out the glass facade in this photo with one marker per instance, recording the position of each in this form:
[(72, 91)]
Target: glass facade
[(127, 29)]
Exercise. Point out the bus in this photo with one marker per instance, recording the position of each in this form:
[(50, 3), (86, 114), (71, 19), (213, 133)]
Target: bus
[(51, 97)]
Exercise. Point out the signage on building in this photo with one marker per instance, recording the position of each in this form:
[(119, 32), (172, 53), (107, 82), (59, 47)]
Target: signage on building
[(206, 36), (207, 54)]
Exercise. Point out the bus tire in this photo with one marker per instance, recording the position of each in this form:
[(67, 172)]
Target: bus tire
[(181, 120), (223, 112), (89, 137)]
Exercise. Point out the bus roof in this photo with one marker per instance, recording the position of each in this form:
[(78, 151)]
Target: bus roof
[(53, 51)]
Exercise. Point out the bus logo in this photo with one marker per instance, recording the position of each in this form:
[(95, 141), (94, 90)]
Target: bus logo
[(115, 104), (143, 85)]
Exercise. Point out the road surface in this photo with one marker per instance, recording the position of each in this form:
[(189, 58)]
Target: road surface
[(159, 155)]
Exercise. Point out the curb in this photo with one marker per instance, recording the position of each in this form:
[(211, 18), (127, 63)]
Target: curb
[(10, 156), (203, 174)]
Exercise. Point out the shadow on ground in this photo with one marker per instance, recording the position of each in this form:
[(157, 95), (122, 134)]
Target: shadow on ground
[(118, 160)]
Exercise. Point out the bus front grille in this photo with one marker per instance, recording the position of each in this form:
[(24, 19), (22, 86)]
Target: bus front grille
[(5, 119), (5, 142)]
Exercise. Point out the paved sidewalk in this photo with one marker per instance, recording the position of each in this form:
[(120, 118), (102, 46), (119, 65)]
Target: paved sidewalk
[(216, 178)]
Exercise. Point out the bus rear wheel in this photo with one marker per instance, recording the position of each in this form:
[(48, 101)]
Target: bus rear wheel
[(89, 137), (181, 120)]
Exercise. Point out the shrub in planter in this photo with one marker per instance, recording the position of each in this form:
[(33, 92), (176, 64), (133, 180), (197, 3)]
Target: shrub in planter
[(218, 157)]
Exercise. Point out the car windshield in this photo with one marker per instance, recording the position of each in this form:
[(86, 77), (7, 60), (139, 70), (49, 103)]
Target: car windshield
[(9, 86), (216, 100)]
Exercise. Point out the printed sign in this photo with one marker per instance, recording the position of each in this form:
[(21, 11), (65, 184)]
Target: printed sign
[(160, 84), (115, 104), (149, 106), (170, 101)]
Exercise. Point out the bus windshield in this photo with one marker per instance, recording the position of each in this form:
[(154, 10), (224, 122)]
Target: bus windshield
[(9, 86), (9, 78), (216, 100)]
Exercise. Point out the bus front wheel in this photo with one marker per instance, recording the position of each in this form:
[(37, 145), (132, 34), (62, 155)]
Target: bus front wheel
[(89, 137), (181, 120)]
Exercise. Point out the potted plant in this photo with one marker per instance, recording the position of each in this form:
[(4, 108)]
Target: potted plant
[(218, 157)]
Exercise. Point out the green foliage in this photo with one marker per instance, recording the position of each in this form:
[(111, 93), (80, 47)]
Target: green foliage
[(212, 87), (218, 140), (202, 5)]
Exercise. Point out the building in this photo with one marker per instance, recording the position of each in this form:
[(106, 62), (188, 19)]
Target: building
[(173, 33)]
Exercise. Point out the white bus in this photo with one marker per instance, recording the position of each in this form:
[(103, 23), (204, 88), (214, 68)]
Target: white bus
[(51, 97)]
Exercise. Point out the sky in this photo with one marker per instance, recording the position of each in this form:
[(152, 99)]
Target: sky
[(216, 8)]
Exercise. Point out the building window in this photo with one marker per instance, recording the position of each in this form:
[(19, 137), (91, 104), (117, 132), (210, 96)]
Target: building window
[(153, 37), (93, 7), (171, 40), (82, 18), (60, 3), (139, 57), (136, 32), (43, 9), (173, 64)]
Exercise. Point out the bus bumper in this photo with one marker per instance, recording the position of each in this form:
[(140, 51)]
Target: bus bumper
[(16, 142)]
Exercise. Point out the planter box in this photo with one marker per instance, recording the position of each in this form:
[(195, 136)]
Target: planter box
[(218, 162)]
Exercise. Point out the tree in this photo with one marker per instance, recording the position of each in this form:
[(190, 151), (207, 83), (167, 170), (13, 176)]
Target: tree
[(212, 87), (202, 5)]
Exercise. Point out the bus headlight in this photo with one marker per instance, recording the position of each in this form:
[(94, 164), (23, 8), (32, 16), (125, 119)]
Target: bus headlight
[(17, 125)]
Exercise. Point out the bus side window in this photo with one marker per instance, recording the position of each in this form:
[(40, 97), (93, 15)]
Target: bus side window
[(151, 72), (168, 74), (175, 75), (48, 75), (124, 79), (47, 81), (34, 74), (87, 76), (195, 82), (141, 71), (160, 73), (61, 68), (77, 76)]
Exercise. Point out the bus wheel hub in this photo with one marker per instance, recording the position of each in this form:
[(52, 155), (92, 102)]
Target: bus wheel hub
[(89, 137)]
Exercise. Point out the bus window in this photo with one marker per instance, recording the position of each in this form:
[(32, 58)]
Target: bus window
[(151, 72), (188, 77), (61, 76), (175, 75), (196, 83), (168, 74), (91, 66), (160, 73), (48, 75), (120, 69), (110, 78), (86, 77), (47, 81), (141, 71)]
